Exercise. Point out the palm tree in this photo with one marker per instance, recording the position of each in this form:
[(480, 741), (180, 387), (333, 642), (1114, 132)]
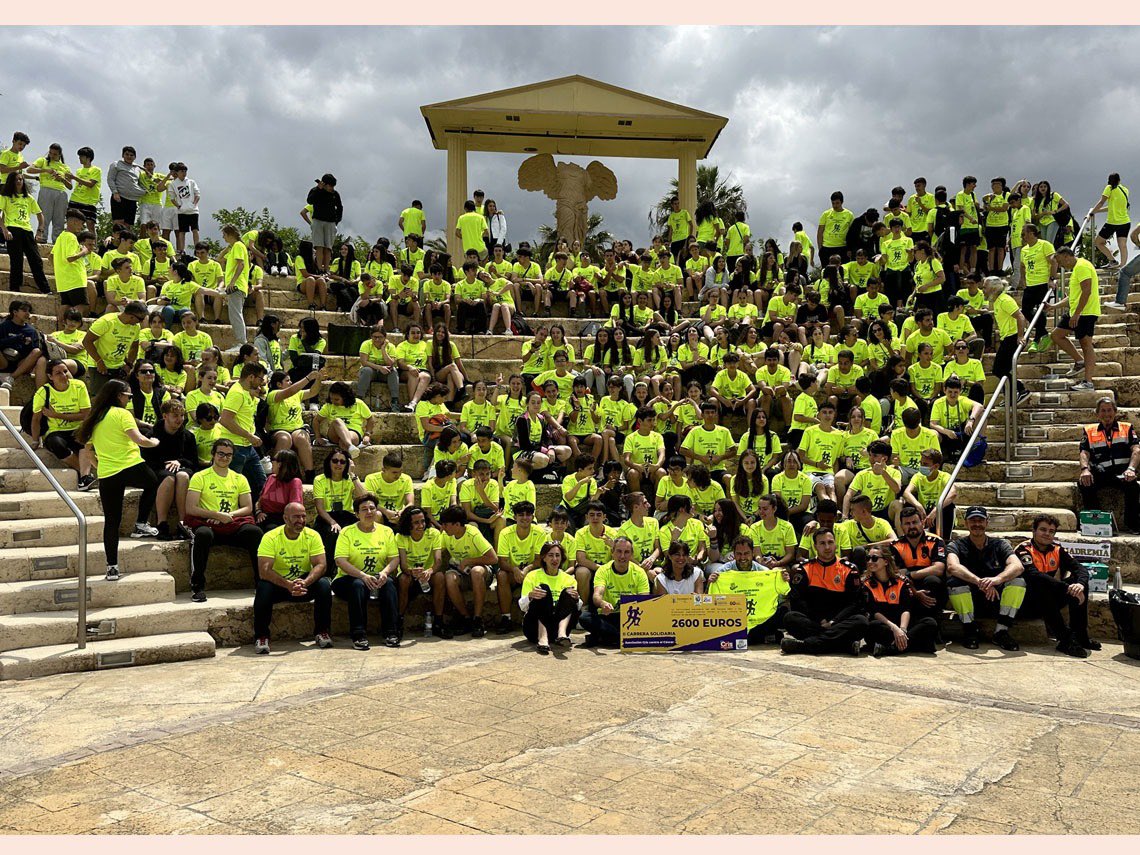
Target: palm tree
[(711, 186), (439, 244), (597, 239)]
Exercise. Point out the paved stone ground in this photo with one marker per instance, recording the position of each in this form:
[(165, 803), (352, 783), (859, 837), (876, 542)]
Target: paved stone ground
[(484, 736)]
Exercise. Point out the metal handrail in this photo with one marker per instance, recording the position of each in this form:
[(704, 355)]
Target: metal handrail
[(81, 518), (1003, 383), (1056, 292)]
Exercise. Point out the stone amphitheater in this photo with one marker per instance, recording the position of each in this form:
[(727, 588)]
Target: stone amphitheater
[(147, 616)]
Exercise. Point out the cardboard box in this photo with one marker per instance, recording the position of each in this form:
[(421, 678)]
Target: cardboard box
[(1098, 577), (1096, 523)]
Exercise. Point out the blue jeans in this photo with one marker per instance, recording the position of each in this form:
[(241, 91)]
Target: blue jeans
[(248, 462), (1126, 273)]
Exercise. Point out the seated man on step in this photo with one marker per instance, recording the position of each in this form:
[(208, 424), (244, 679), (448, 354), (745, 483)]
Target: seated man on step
[(1110, 456), (984, 572)]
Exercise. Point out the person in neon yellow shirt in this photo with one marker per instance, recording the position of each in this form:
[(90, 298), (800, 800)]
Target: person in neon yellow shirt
[(549, 600), (471, 229), (110, 432), (471, 558), (291, 567), (412, 219), (678, 228), (235, 280), (1114, 198), (1081, 317), (831, 234), (367, 561), (613, 579)]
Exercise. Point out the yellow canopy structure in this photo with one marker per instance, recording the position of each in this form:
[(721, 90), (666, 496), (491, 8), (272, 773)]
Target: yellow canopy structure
[(569, 116)]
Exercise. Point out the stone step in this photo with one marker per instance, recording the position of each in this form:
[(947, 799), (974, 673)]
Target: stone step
[(30, 662), (47, 532), (25, 480), (58, 594), (1125, 548), (44, 563), (118, 622), (1029, 434), (40, 506), (1028, 471), (1019, 518), (1002, 494)]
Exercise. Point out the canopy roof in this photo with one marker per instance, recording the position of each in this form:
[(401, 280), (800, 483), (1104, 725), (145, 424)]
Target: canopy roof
[(573, 116)]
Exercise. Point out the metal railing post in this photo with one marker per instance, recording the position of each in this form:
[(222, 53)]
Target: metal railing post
[(81, 518), (1003, 384)]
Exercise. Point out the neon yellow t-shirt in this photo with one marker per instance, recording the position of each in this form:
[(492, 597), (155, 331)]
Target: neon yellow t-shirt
[(291, 558), (217, 493), (367, 551)]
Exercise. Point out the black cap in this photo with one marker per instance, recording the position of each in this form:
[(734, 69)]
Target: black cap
[(977, 512), (327, 178)]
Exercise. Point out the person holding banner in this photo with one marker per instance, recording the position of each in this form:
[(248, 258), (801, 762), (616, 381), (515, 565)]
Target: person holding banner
[(825, 603), (764, 589), (614, 578), (890, 598), (549, 600), (679, 575)]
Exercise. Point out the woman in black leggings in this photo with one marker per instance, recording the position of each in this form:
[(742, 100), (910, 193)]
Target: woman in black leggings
[(110, 430)]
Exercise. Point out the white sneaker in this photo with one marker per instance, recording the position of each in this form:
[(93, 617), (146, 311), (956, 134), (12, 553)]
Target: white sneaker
[(323, 640), (1112, 304), (353, 451), (144, 530), (261, 645)]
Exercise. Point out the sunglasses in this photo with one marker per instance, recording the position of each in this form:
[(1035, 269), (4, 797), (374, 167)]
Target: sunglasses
[(874, 558), (146, 371)]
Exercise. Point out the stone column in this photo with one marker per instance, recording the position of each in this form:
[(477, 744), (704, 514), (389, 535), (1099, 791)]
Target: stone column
[(456, 193), (687, 179)]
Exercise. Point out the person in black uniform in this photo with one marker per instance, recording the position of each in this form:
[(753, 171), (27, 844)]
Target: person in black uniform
[(921, 557), (893, 628), (985, 574), (826, 605), (1054, 581)]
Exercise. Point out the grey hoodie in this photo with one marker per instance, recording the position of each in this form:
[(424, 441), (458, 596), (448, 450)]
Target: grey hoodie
[(123, 178)]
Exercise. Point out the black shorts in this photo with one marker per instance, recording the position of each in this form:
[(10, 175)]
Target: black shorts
[(163, 473), (1085, 325), (187, 223), (89, 211), (973, 237), (404, 308), (677, 247), (74, 297), (62, 444), (1108, 230), (996, 236), (126, 210)]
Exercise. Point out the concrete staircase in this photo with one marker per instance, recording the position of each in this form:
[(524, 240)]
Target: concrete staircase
[(147, 616)]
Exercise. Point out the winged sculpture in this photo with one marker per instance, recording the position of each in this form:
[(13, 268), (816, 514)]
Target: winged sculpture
[(571, 187)]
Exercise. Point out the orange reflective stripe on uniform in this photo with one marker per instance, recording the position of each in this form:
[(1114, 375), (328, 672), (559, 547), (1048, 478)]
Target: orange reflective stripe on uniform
[(1108, 450)]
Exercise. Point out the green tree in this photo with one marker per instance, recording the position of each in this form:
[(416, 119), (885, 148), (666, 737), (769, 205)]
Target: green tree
[(597, 239), (438, 244), (711, 186), (261, 220)]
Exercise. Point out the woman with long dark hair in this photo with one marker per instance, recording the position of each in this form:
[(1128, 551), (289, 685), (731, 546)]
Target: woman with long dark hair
[(345, 275), (16, 210), (282, 487), (594, 359), (147, 395), (366, 568), (446, 365), (110, 432), (549, 600), (310, 281), (306, 349), (333, 493)]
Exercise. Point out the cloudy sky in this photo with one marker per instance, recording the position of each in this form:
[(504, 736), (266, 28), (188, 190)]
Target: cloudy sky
[(258, 113)]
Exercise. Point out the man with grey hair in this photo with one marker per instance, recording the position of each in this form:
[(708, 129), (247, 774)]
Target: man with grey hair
[(612, 580)]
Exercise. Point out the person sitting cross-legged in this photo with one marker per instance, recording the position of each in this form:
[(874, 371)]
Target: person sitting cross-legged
[(825, 605), (894, 628), (549, 600)]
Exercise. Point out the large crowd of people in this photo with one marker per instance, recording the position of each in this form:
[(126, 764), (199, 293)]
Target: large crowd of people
[(736, 405)]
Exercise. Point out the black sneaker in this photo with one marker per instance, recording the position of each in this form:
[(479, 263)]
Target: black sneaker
[(589, 641), (164, 531), (856, 647), (1070, 647), (504, 625), (1005, 641), (1089, 643), (443, 630), (198, 597), (792, 645), (879, 650), (392, 641), (361, 644), (970, 642), (112, 573), (184, 533), (477, 628), (86, 482)]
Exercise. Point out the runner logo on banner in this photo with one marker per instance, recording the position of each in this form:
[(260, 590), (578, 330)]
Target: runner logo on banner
[(762, 588), (683, 622)]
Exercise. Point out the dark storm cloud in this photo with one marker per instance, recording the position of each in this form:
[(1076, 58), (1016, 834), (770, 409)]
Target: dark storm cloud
[(259, 113)]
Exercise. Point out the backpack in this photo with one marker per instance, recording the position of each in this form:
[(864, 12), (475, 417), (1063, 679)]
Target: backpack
[(519, 325), (977, 453), (26, 410)]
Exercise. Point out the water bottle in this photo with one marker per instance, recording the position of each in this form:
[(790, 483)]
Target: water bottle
[(425, 586), (427, 625)]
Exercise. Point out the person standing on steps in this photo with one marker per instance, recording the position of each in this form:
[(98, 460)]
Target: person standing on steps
[(235, 280), (110, 432), (1110, 459), (124, 180), (112, 343), (291, 566), (17, 207), (237, 423), (327, 212), (1114, 198), (1124, 277), (1011, 325), (1039, 273), (1080, 320), (984, 572)]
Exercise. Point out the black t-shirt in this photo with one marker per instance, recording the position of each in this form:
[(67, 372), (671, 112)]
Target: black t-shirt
[(986, 562), (806, 314)]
